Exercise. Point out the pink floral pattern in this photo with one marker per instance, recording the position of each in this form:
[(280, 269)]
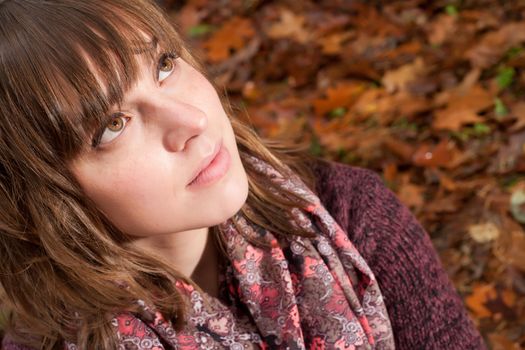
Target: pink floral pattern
[(298, 294)]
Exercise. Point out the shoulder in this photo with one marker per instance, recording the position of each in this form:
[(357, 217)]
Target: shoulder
[(358, 200)]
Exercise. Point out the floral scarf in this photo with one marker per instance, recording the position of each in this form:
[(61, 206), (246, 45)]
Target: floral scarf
[(302, 293)]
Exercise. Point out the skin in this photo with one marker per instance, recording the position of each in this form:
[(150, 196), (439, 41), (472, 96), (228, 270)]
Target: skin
[(138, 176)]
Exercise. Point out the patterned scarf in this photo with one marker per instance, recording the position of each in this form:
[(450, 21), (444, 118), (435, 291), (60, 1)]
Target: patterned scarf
[(302, 293)]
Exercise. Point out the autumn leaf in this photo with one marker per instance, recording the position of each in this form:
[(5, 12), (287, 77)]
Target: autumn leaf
[(291, 26), (333, 44), (494, 44), (397, 80), (441, 29), (341, 95), (483, 232), (463, 109), (486, 301), (517, 111), (232, 36), (429, 95), (410, 194), (441, 155)]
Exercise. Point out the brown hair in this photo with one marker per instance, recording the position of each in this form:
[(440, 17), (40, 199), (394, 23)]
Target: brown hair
[(63, 64)]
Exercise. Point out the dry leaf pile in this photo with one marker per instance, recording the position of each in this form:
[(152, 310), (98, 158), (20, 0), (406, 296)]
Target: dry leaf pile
[(431, 94)]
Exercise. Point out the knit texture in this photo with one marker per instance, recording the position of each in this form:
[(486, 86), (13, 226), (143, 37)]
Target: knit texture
[(425, 310)]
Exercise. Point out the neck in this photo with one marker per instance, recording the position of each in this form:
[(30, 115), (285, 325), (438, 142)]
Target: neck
[(192, 253)]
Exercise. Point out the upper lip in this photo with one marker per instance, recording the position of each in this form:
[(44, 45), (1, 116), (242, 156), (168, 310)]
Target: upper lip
[(206, 162)]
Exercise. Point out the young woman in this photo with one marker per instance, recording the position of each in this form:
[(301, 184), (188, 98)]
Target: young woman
[(138, 212)]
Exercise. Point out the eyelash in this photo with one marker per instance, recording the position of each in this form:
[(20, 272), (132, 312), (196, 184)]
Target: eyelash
[(95, 142)]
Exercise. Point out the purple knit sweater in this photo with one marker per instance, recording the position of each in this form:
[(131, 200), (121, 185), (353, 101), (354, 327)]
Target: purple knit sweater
[(425, 310)]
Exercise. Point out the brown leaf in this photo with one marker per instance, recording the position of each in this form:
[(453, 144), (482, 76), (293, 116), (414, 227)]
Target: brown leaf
[(333, 44), (441, 28), (454, 120), (510, 248), (500, 342), (463, 109), (507, 159), (397, 80), (399, 147), (494, 44), (518, 112), (341, 95), (483, 232), (390, 172), (441, 155), (410, 194), (232, 36), (388, 107), (290, 26), (476, 302)]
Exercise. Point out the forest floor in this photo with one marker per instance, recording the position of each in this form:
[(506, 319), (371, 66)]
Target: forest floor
[(429, 94)]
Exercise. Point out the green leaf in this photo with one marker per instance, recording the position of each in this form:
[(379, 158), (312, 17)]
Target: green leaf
[(337, 112), (451, 10), (514, 51), (499, 108), (481, 129), (505, 77), (200, 30)]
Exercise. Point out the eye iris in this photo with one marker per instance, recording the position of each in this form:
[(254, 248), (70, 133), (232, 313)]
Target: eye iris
[(116, 124), (167, 65)]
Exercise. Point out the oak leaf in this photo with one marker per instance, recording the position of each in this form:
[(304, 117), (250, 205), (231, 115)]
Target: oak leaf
[(231, 37), (290, 26), (398, 79)]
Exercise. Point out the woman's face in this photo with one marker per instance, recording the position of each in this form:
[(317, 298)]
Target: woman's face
[(140, 171)]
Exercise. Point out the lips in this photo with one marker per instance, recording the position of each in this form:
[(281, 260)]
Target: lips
[(206, 162)]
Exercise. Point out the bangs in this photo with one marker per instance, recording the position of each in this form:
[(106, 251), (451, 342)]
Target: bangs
[(64, 64)]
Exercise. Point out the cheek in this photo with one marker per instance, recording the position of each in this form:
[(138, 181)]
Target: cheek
[(130, 195)]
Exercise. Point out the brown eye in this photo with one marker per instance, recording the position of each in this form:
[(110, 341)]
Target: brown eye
[(166, 66), (112, 130), (116, 124)]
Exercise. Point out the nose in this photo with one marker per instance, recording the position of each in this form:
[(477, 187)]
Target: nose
[(178, 121)]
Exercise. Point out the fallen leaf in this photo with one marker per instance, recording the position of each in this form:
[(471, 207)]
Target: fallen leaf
[(441, 28), (333, 44), (410, 194), (341, 95), (291, 26), (509, 155), (517, 111), (440, 155), (397, 80), (390, 172), (453, 120), (500, 342), (232, 36), (494, 44), (399, 147), (510, 248), (476, 301), (484, 232), (463, 109)]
